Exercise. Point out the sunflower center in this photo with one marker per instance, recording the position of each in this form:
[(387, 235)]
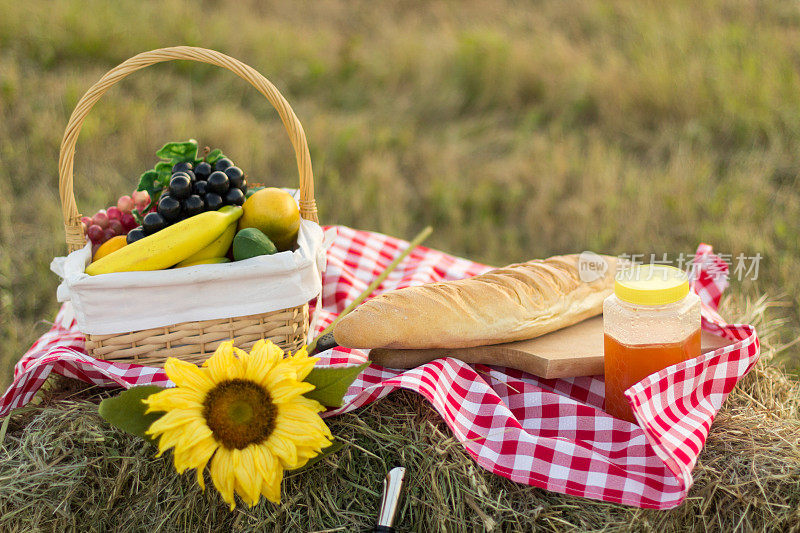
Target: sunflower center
[(240, 413)]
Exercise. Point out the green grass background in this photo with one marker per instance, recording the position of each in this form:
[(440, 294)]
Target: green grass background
[(517, 129)]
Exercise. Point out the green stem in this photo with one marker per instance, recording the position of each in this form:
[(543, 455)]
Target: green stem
[(374, 285)]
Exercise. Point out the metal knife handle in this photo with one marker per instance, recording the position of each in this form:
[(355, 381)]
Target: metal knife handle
[(392, 486)]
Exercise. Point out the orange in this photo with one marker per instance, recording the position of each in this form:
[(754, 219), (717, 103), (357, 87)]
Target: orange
[(111, 245), (275, 213)]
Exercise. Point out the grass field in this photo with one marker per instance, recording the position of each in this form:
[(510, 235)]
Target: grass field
[(517, 130), (517, 133)]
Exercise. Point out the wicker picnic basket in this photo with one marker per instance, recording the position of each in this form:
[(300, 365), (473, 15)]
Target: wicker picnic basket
[(191, 341)]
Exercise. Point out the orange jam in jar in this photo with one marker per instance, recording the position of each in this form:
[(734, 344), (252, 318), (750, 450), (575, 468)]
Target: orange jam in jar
[(652, 321)]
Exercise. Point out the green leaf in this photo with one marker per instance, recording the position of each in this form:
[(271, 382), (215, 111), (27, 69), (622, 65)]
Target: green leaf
[(164, 170), (332, 383), (147, 181), (213, 155), (126, 411), (179, 152), (251, 192), (336, 445)]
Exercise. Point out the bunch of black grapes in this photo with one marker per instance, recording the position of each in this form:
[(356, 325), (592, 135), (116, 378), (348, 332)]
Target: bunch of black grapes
[(193, 190)]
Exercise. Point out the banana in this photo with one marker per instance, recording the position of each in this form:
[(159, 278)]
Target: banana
[(169, 246), (218, 248), (206, 261)]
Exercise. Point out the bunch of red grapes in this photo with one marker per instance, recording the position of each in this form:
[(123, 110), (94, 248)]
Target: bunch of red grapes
[(116, 220)]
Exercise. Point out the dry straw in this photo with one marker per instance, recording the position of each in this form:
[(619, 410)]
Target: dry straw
[(63, 468), (192, 341)]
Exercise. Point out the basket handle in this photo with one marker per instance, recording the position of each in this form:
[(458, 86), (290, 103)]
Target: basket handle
[(72, 218)]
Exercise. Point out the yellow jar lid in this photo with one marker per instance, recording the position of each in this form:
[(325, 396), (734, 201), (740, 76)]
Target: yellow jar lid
[(651, 285)]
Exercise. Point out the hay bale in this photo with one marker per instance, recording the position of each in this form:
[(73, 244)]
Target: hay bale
[(63, 468)]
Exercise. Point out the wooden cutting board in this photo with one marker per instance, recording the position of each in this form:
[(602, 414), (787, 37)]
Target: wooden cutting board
[(573, 351)]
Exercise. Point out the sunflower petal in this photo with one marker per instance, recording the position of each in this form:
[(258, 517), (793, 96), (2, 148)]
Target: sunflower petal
[(200, 471), (220, 362), (314, 440), (284, 448), (248, 484), (196, 456), (292, 427), (264, 355), (293, 416), (266, 463), (309, 403), (193, 433), (310, 435), (304, 452), (271, 489), (303, 363), (295, 410), (187, 375), (183, 437), (288, 390), (298, 433), (281, 372), (166, 441), (304, 455), (261, 360), (174, 398), (173, 419), (223, 466)]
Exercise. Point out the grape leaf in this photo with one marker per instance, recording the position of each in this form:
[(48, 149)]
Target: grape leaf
[(251, 192), (331, 383), (154, 181), (126, 411), (213, 155), (164, 170), (179, 152), (147, 181)]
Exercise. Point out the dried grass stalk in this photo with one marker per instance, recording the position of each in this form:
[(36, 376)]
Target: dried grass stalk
[(63, 468)]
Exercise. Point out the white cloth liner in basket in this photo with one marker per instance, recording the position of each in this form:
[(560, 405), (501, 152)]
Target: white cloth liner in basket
[(133, 301)]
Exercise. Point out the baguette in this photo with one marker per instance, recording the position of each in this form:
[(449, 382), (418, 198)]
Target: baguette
[(517, 302)]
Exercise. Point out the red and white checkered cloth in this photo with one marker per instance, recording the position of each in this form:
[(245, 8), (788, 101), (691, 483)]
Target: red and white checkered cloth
[(550, 433)]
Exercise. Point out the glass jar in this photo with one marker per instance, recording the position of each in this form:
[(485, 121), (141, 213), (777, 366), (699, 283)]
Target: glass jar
[(652, 321)]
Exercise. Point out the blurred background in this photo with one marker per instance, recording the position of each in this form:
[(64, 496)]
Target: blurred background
[(517, 129)]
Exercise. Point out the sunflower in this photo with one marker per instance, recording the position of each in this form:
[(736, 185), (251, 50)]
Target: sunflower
[(243, 412)]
